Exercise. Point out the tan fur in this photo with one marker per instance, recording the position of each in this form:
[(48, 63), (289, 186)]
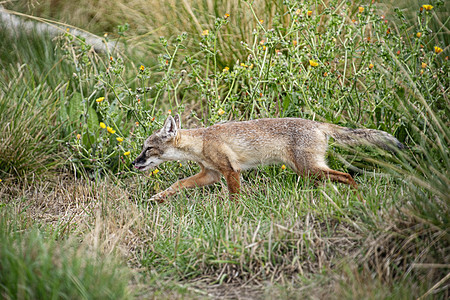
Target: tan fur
[(229, 148)]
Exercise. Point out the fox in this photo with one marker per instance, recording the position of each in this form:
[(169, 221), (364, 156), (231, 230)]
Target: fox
[(231, 147)]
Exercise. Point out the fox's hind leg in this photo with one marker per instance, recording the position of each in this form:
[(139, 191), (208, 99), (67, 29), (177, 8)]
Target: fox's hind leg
[(337, 176)]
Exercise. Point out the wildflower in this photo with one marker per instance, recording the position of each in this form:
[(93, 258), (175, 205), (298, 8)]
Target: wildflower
[(421, 72), (371, 66), (67, 29), (127, 153), (220, 112), (110, 130), (427, 7), (226, 16), (98, 100), (437, 49), (283, 167), (119, 139), (226, 69), (419, 34), (388, 31), (180, 165), (297, 12), (294, 43), (398, 52), (169, 112), (137, 123), (78, 136), (313, 63), (360, 9), (325, 74), (142, 68), (105, 35), (1, 180), (309, 13), (424, 65), (102, 125), (111, 58), (261, 21), (205, 32), (155, 171), (243, 65)]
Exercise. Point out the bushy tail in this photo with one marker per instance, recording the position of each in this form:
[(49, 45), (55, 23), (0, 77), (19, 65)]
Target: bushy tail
[(351, 137)]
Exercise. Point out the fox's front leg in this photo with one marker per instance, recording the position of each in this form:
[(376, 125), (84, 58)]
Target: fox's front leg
[(233, 179), (205, 177)]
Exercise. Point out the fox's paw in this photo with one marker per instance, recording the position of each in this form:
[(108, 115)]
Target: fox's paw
[(160, 197)]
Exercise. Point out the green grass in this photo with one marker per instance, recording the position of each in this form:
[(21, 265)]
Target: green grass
[(75, 222), (35, 266)]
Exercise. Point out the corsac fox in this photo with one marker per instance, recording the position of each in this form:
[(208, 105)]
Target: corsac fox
[(229, 148)]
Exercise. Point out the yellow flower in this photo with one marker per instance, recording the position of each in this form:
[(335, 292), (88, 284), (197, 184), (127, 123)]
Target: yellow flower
[(261, 21), (371, 66), (155, 171), (226, 16), (424, 65), (205, 32), (309, 13), (243, 65), (119, 139), (102, 125), (110, 130), (98, 100), (1, 180), (142, 68), (427, 7), (78, 136), (437, 49), (180, 165), (419, 34), (226, 69), (360, 9), (313, 63), (283, 167), (220, 111), (127, 153), (169, 112), (298, 11), (137, 123)]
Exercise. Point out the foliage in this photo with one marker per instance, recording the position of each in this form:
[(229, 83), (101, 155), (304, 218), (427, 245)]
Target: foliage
[(333, 62)]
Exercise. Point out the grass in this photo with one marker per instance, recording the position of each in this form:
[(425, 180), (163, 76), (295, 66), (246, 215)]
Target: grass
[(75, 222)]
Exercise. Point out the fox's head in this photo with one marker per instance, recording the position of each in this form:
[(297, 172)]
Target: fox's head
[(159, 147)]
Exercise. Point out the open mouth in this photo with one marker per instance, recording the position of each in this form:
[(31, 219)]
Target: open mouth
[(141, 168)]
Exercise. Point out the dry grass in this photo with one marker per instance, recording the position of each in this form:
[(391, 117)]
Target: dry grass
[(149, 20)]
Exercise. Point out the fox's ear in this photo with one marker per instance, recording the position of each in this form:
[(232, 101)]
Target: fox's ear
[(170, 128), (177, 119)]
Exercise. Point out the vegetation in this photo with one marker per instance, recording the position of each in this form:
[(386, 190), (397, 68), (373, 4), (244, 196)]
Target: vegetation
[(75, 220)]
